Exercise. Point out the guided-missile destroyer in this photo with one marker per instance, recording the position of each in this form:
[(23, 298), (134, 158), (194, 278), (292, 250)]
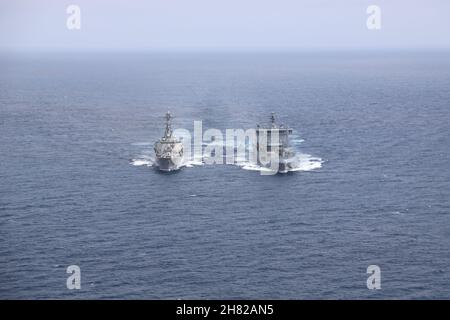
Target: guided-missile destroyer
[(169, 149), (267, 149)]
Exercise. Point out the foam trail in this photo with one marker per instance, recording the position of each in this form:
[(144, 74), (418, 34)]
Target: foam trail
[(302, 162), (254, 167), (191, 163), (142, 162), (306, 162), (145, 159)]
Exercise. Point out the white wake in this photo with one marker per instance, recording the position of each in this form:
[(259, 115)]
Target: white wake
[(301, 162)]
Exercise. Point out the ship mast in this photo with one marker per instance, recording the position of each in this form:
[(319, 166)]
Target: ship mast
[(272, 119), (168, 132)]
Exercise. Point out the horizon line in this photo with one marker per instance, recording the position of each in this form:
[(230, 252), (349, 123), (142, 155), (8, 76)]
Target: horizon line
[(220, 50)]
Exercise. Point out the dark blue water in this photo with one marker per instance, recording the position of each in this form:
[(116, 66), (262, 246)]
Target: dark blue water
[(69, 125)]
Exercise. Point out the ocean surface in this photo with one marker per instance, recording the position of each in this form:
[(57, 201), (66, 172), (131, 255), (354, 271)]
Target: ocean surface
[(73, 128)]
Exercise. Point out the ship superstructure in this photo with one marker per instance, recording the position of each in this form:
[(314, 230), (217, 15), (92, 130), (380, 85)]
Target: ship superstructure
[(272, 140), (168, 149)]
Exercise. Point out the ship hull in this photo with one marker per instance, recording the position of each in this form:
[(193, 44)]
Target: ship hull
[(284, 165), (272, 147), (169, 164)]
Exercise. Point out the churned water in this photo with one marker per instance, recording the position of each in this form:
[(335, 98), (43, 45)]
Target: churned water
[(372, 130)]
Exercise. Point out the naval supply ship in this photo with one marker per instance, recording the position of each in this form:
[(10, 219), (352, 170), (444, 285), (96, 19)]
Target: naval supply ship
[(169, 149), (265, 145)]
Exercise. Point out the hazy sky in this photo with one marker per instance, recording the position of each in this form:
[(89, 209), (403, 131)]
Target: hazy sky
[(223, 25)]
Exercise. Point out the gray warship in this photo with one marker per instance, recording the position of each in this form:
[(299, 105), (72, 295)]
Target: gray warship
[(169, 149), (286, 156)]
